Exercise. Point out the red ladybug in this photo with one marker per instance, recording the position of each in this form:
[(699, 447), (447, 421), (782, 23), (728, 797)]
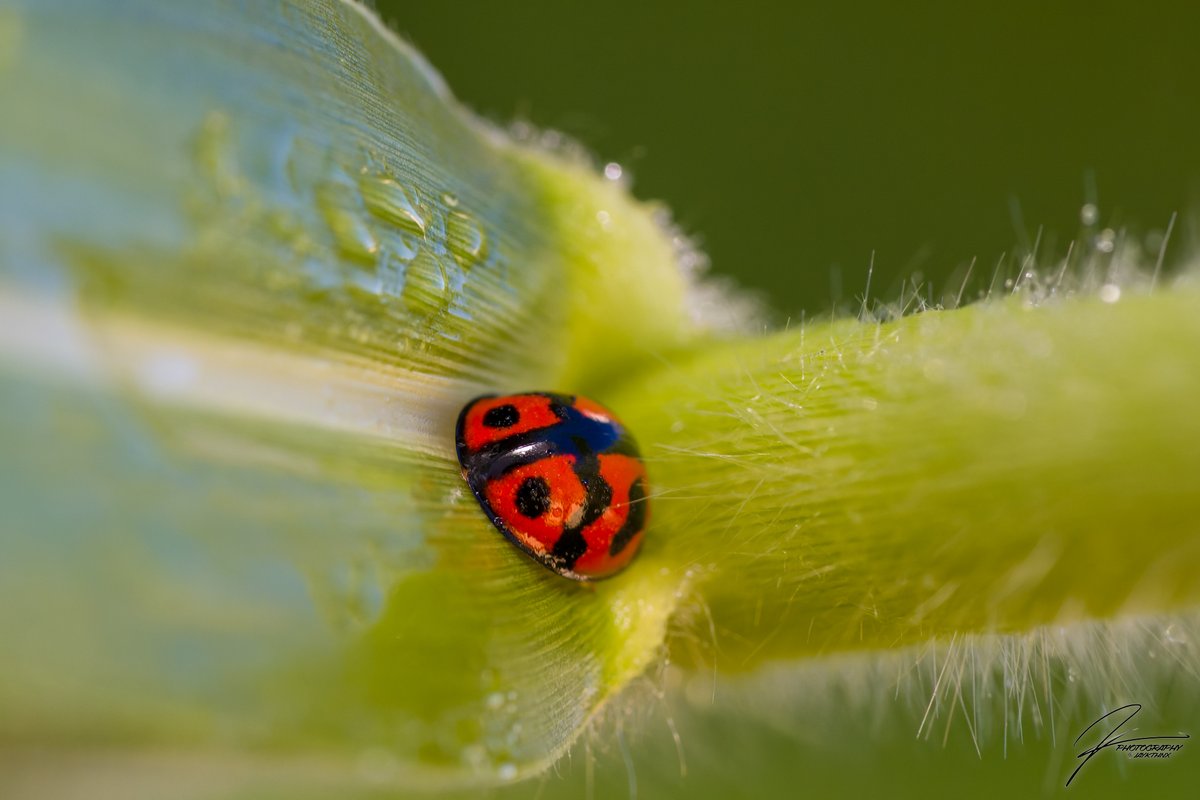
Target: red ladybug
[(559, 476)]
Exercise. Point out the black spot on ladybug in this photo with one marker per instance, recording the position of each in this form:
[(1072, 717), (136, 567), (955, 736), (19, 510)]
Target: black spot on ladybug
[(504, 416), (635, 520), (570, 546), (599, 497), (533, 497)]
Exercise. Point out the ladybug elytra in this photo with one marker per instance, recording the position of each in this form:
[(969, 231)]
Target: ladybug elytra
[(559, 476)]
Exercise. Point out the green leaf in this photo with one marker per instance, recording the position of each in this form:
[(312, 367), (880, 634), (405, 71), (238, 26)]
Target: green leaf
[(255, 260)]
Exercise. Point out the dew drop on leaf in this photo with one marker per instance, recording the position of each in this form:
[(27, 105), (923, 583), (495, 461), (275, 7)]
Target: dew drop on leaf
[(392, 203), (425, 284), (338, 204), (465, 238)]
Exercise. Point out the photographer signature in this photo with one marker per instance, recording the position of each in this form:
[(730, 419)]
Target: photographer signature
[(1134, 750)]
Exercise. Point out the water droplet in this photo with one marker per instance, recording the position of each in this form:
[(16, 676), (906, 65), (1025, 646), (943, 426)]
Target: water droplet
[(495, 700), (391, 202), (397, 245), (450, 199), (613, 171), (338, 204), (424, 289), (507, 772), (465, 238), (604, 218), (1106, 240), (1110, 293), (1089, 214)]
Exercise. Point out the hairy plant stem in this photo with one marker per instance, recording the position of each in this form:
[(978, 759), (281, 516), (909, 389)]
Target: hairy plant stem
[(1002, 466)]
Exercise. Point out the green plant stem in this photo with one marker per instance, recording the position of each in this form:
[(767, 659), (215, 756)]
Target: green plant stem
[(994, 468)]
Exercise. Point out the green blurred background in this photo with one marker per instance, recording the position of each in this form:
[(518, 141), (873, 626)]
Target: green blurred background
[(793, 140)]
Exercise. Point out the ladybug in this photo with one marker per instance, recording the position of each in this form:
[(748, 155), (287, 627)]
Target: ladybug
[(559, 476)]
